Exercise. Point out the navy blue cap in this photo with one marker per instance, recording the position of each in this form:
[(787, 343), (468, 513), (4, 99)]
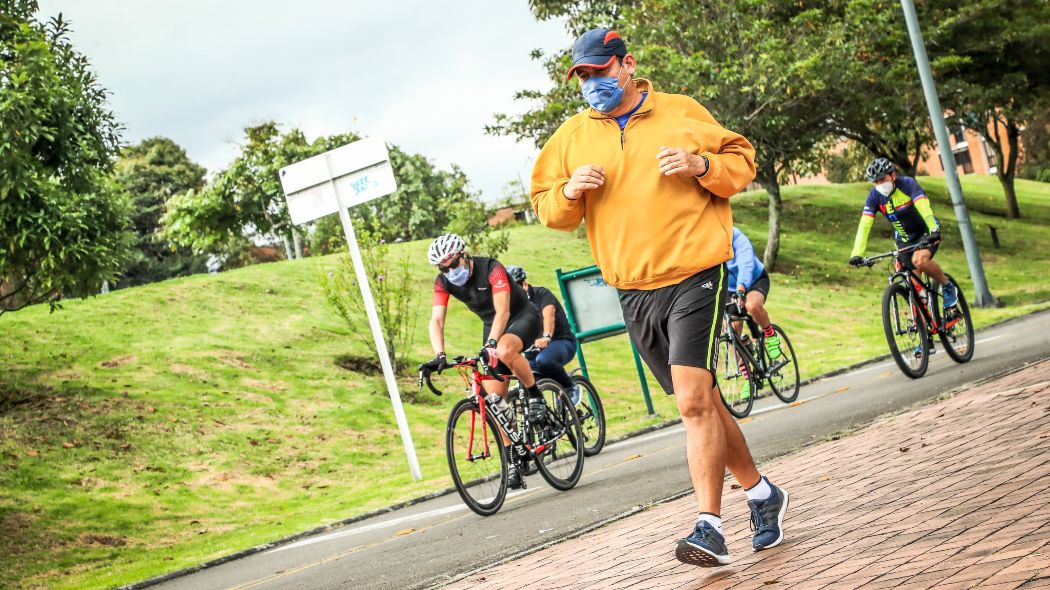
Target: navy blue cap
[(596, 48)]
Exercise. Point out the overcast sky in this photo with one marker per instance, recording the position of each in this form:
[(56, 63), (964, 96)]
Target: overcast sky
[(426, 75)]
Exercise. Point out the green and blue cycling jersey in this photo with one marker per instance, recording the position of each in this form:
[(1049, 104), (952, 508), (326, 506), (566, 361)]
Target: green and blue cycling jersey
[(907, 209)]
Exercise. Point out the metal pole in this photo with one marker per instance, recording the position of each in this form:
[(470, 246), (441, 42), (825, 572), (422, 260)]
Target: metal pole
[(641, 378), (377, 330), (982, 296)]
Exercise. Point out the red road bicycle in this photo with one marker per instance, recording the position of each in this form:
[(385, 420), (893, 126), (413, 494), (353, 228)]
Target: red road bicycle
[(477, 459)]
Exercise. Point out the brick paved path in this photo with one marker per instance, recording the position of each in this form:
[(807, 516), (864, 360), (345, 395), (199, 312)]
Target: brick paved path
[(955, 494)]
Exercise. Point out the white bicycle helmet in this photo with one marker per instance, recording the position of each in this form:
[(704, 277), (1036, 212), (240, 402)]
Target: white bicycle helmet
[(444, 248)]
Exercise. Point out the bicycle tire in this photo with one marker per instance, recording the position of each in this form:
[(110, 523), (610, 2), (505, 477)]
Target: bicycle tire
[(592, 416), (793, 380), (727, 378), (561, 470), (896, 298), (490, 500), (949, 337)]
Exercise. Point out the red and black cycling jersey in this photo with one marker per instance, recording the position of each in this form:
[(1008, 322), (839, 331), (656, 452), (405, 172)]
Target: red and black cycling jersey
[(488, 277)]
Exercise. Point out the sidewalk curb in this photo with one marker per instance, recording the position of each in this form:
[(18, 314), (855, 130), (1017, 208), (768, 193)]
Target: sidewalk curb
[(449, 490)]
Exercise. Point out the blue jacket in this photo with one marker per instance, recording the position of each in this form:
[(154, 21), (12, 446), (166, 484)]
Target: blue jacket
[(744, 268)]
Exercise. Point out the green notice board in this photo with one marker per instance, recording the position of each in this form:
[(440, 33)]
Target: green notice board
[(594, 312)]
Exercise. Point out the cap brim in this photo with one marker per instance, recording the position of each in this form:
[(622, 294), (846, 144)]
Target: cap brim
[(594, 61)]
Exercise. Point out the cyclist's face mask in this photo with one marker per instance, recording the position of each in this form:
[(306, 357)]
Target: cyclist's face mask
[(604, 94), (885, 188), (457, 272)]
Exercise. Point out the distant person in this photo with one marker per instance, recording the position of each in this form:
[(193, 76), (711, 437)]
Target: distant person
[(749, 283), (511, 322), (905, 205), (557, 345), (651, 175)]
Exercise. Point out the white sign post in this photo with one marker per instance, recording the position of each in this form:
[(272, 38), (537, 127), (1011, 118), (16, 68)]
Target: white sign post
[(333, 182)]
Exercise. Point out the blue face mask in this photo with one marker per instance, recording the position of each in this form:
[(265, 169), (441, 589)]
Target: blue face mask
[(458, 276), (604, 94)]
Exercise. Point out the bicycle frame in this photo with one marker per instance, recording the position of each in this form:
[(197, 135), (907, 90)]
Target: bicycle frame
[(763, 372), (916, 285)]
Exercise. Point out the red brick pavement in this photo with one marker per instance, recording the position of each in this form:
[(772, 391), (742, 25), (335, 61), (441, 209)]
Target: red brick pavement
[(955, 494)]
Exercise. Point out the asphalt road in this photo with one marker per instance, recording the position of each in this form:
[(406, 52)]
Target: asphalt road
[(435, 541)]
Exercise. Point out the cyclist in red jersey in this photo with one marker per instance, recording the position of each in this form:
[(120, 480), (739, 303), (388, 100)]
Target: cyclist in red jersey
[(511, 321)]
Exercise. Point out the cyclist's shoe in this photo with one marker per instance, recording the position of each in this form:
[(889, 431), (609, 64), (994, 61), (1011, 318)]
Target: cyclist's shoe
[(575, 394), (767, 518), (773, 347), (918, 350), (537, 411), (705, 547), (950, 295), (514, 480), (745, 391)]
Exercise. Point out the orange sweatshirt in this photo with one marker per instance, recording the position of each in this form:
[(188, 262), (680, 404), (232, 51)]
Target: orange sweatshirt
[(646, 230)]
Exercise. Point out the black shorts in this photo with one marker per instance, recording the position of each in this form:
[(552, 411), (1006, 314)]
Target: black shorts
[(761, 284), (906, 259), (677, 324), (525, 324)]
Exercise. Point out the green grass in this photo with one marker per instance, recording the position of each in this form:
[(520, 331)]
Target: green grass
[(158, 427)]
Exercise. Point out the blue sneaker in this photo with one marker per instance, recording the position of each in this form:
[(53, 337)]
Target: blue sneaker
[(950, 295), (704, 548), (767, 518), (575, 394)]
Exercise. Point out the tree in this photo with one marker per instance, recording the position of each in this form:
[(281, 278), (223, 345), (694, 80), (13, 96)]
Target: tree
[(151, 172), (247, 197), (997, 79), (64, 225)]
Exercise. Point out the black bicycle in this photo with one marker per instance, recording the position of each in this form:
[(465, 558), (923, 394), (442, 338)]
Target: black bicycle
[(912, 314), (742, 367), (477, 458), (589, 408)]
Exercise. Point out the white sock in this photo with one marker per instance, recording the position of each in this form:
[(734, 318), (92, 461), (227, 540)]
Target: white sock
[(761, 490), (711, 519)]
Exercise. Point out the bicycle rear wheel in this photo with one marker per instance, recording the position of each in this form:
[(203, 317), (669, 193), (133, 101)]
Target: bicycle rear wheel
[(560, 440), (592, 416), (785, 379), (476, 458), (735, 384), (957, 334), (906, 331)]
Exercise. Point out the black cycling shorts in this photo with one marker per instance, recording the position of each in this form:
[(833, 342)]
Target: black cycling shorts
[(906, 259), (525, 324), (761, 284), (677, 324)]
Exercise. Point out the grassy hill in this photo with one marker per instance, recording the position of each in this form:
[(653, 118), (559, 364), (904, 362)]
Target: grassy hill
[(157, 427)]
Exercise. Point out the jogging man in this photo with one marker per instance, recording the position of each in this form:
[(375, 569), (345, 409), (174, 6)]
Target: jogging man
[(651, 175), (749, 283), (509, 319), (905, 205), (557, 346)]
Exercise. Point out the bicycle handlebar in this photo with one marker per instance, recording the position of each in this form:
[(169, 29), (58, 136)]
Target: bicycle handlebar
[(920, 245), (456, 362)]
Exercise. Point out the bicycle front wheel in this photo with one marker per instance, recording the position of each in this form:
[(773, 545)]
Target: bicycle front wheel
[(559, 440), (476, 458), (592, 416), (906, 331), (957, 334), (784, 378), (735, 381)]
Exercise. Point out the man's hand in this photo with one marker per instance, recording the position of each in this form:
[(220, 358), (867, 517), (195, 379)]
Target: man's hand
[(542, 343), (856, 261), (438, 363), (934, 237), (584, 178), (738, 299), (679, 161)]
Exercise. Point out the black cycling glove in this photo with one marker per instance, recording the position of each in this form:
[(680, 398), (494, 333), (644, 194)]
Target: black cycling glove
[(934, 237), (856, 261), (438, 363)]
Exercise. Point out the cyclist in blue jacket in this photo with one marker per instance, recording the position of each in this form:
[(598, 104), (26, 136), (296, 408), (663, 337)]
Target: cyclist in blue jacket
[(749, 283)]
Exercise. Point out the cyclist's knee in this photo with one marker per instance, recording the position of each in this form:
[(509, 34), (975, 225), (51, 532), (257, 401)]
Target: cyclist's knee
[(753, 306), (507, 350)]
